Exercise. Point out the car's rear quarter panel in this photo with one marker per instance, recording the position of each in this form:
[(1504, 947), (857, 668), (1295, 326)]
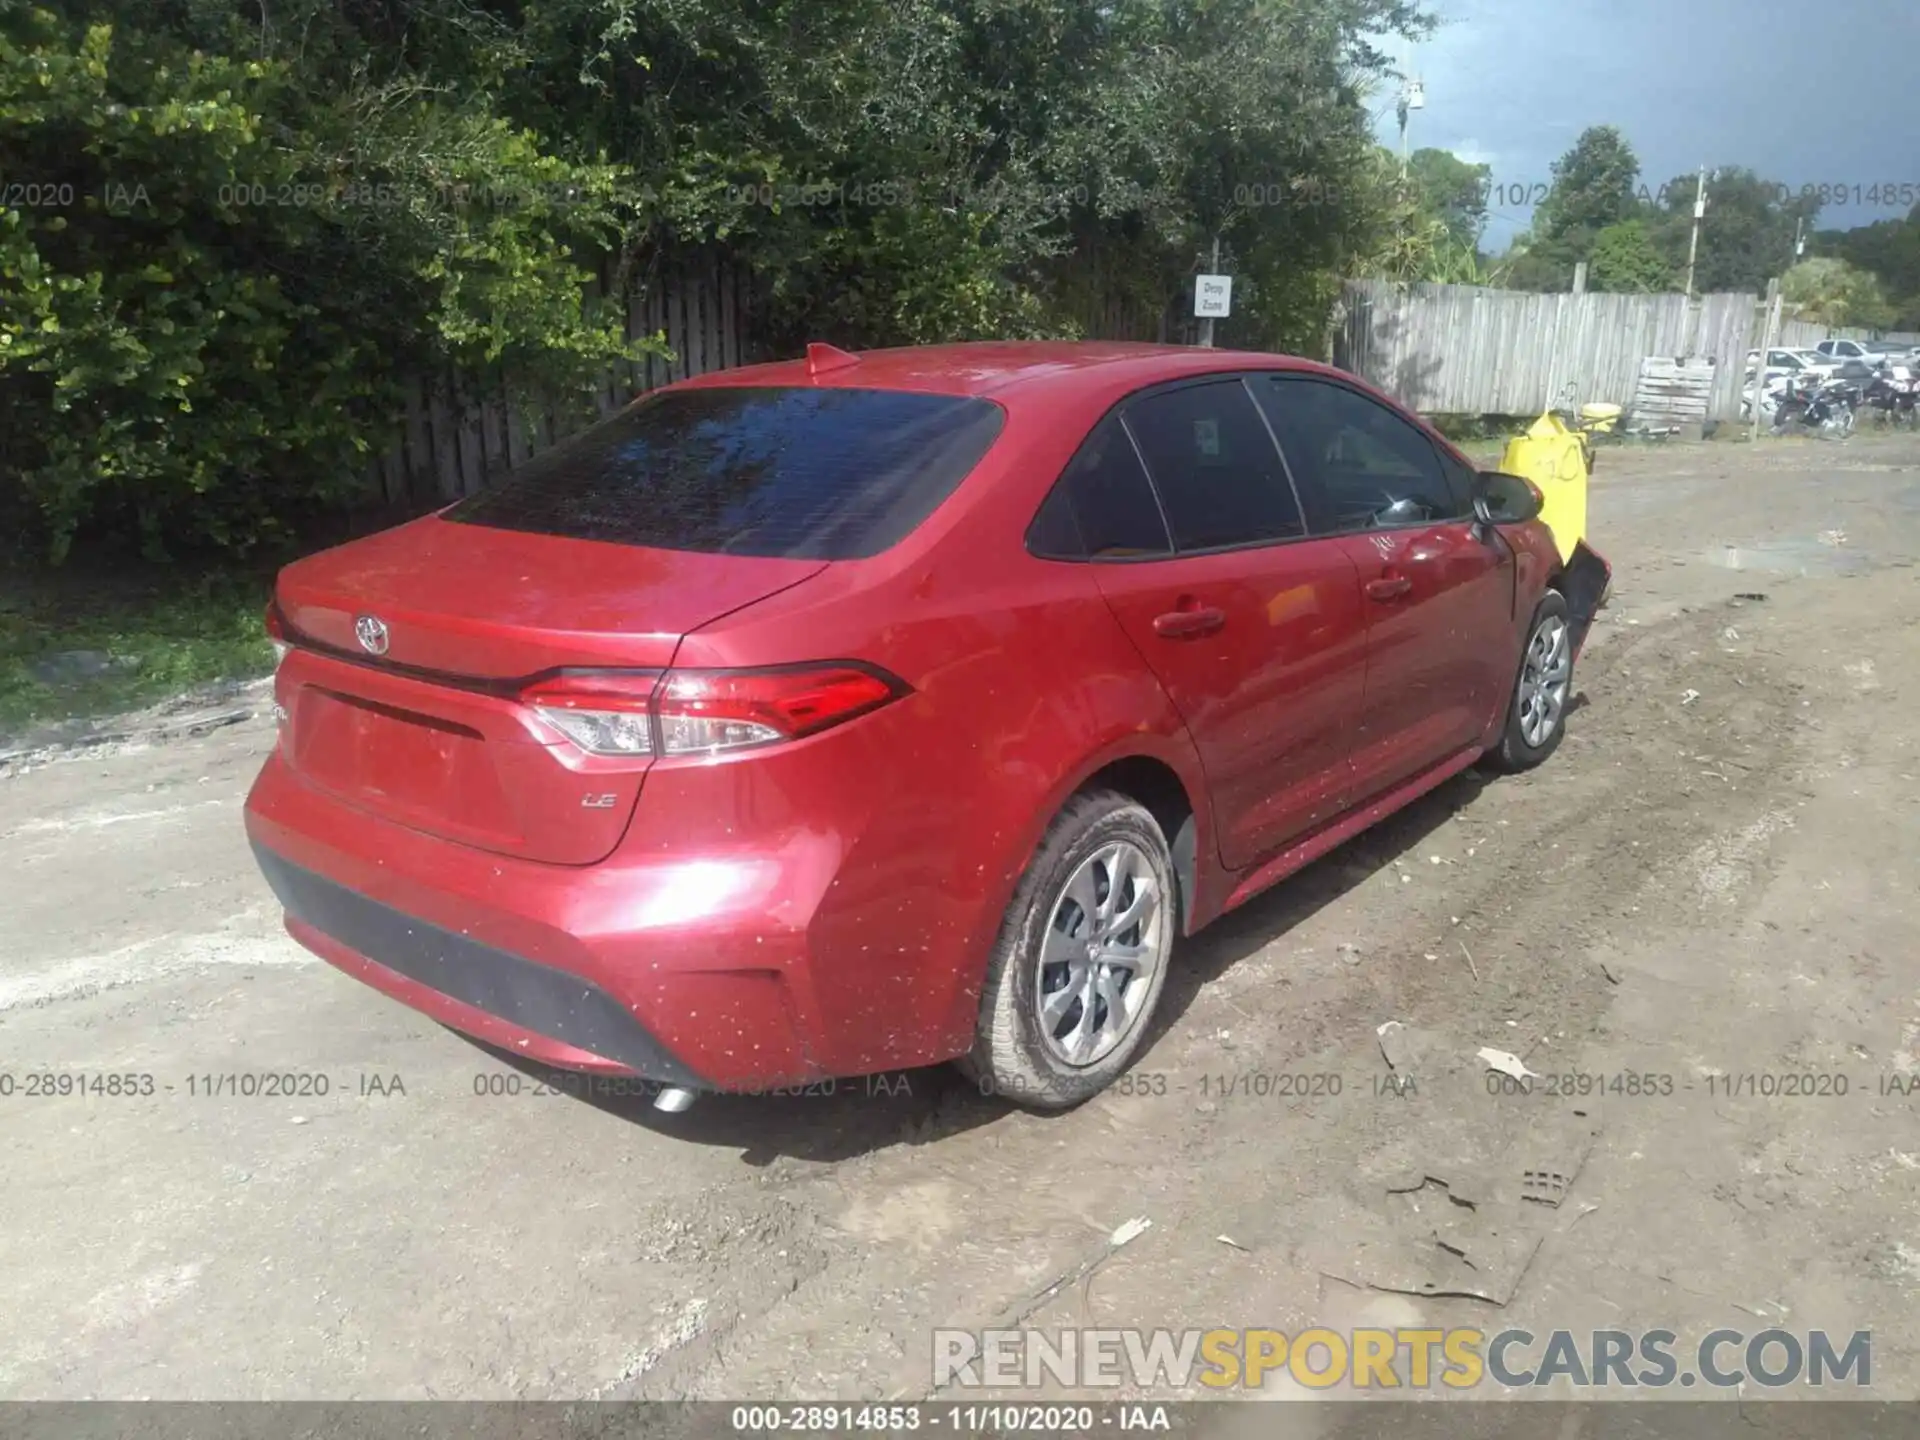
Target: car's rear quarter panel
[(1023, 686)]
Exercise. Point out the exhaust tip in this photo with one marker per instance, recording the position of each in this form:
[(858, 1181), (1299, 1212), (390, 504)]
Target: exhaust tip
[(673, 1099)]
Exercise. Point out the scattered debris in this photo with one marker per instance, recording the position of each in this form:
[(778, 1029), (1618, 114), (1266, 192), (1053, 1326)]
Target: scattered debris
[(1229, 1240), (1689, 697), (1835, 538), (1464, 1262), (1751, 595), (1132, 1230), (1473, 968), (1612, 979), (1467, 1195), (1546, 1187), (1504, 1062)]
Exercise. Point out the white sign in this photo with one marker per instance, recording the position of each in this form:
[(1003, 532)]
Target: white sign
[(1212, 296)]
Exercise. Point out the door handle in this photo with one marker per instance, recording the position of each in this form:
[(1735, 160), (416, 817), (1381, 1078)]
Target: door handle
[(1181, 624), (1389, 587)]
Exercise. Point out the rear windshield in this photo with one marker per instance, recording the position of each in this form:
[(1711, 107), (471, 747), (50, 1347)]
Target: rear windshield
[(792, 473)]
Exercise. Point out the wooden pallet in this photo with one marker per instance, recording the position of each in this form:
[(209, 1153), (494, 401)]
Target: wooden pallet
[(1673, 390)]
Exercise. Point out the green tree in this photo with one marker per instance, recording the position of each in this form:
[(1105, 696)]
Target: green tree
[(1593, 187), (1828, 291), (1453, 190), (1746, 237), (1890, 251), (1626, 260)]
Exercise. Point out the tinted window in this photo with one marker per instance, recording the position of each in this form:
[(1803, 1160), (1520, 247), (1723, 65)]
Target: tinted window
[(1106, 493), (1214, 466), (1359, 466), (1055, 533), (796, 473)]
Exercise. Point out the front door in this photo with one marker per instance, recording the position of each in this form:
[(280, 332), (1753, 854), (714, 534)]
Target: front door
[(1438, 590)]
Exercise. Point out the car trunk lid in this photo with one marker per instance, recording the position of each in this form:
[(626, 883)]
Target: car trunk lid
[(411, 649)]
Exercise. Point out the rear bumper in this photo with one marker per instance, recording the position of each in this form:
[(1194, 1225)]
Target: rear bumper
[(534, 1009), (737, 961)]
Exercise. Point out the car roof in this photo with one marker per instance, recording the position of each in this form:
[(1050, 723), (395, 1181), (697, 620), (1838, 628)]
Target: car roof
[(1005, 368)]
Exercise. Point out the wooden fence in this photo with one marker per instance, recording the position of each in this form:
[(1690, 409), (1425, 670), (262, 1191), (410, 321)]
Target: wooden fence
[(1463, 350), (455, 435)]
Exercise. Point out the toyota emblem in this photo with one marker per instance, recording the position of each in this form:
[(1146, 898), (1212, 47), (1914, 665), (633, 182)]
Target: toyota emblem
[(371, 632)]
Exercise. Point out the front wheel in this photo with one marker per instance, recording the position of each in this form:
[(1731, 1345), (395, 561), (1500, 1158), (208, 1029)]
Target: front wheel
[(1081, 959), (1537, 708)]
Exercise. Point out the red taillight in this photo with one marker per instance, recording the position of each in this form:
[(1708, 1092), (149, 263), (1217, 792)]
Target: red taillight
[(703, 710), (696, 712)]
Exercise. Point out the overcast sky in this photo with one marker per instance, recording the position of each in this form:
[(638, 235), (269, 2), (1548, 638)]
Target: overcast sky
[(1803, 95)]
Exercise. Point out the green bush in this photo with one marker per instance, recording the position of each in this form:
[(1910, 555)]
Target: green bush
[(214, 286)]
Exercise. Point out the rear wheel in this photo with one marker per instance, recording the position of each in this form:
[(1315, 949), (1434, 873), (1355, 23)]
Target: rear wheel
[(1537, 709), (1081, 959)]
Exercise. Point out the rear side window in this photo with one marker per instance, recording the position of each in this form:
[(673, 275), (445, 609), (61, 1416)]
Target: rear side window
[(1102, 508), (791, 473), (1215, 467)]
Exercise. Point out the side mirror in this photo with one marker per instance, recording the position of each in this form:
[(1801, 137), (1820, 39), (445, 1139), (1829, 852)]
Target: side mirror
[(1502, 499)]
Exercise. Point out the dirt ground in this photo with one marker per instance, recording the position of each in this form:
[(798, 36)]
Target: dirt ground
[(1713, 879)]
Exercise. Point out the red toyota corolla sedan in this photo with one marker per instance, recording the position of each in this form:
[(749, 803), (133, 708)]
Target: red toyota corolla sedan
[(813, 719)]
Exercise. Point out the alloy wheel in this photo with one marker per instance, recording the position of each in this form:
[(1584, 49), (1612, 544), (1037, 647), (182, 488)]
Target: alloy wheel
[(1107, 935), (1545, 677)]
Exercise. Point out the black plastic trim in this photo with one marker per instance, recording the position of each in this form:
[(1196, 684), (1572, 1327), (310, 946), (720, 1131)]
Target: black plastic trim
[(561, 1006), (1584, 583)]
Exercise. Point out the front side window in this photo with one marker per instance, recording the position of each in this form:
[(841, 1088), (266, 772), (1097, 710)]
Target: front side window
[(1359, 466)]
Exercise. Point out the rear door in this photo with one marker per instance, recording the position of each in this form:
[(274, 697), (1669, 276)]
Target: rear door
[(1254, 628), (1438, 592)]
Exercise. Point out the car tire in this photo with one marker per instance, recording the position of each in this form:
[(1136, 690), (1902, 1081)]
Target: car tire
[(1525, 741), (1024, 1048)]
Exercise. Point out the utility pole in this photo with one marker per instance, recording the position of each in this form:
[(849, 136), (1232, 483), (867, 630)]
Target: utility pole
[(1699, 214), (1770, 335), (1413, 96)]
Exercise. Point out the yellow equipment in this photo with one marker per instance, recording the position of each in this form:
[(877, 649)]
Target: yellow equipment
[(1558, 460), (1600, 419)]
